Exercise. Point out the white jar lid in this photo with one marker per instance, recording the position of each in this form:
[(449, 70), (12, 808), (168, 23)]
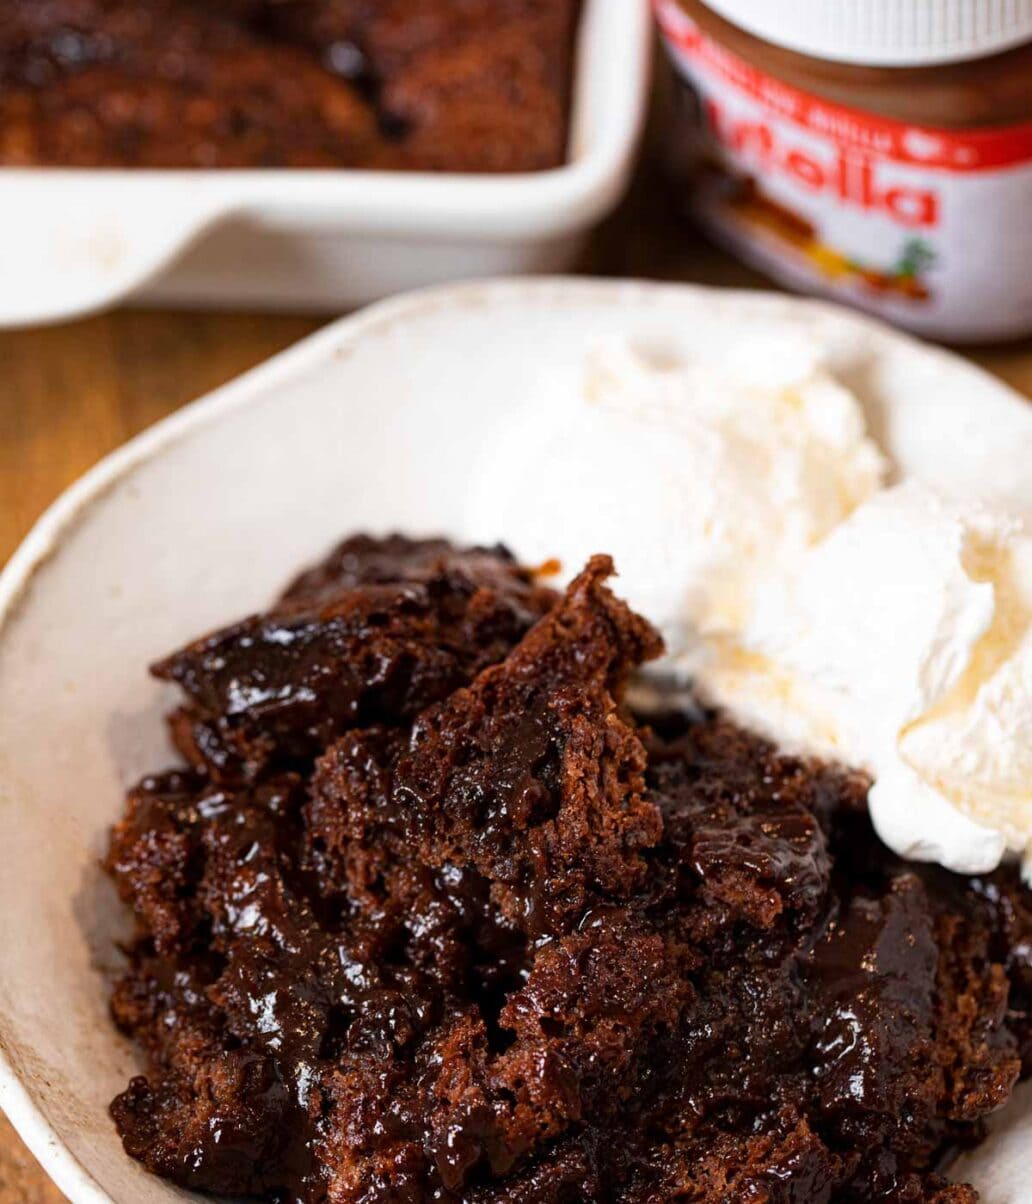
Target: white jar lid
[(885, 32)]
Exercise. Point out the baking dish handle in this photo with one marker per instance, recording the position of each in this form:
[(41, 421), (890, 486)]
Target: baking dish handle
[(73, 242)]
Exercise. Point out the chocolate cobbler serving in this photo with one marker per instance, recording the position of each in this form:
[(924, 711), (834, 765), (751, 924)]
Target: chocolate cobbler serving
[(431, 914), (438, 85)]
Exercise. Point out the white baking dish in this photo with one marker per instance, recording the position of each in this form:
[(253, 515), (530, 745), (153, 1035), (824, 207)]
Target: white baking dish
[(74, 241)]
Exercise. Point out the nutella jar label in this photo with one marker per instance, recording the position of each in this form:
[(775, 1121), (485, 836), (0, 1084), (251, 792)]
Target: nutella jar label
[(931, 228)]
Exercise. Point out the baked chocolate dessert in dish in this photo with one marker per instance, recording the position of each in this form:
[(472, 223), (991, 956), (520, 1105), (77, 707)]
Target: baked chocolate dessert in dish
[(437, 85), (431, 915)]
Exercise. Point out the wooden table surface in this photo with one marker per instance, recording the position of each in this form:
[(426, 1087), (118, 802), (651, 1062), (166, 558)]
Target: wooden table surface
[(70, 394)]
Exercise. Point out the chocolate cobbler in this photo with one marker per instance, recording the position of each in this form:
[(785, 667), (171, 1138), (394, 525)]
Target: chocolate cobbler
[(439, 85), (430, 914)]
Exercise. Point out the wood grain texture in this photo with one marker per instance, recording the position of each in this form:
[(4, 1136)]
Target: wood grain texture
[(21, 1180), (70, 394)]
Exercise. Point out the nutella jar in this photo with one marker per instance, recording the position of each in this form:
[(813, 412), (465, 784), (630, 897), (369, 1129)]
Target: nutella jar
[(875, 151)]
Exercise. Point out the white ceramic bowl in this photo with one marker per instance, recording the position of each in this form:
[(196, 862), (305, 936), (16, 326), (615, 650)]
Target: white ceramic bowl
[(370, 424), (323, 240)]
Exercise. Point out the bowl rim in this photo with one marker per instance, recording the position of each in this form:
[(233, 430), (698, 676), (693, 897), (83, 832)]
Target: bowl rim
[(61, 518)]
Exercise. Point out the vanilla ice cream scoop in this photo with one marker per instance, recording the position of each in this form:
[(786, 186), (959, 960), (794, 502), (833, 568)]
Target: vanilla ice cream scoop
[(903, 644), (699, 481), (749, 514)]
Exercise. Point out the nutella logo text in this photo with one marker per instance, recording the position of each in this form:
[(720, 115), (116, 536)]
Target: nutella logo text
[(848, 174)]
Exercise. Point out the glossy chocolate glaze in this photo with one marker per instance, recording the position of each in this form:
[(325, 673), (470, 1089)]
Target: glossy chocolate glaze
[(486, 936)]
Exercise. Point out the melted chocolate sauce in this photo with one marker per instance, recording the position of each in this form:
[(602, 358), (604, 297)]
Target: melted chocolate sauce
[(433, 917)]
